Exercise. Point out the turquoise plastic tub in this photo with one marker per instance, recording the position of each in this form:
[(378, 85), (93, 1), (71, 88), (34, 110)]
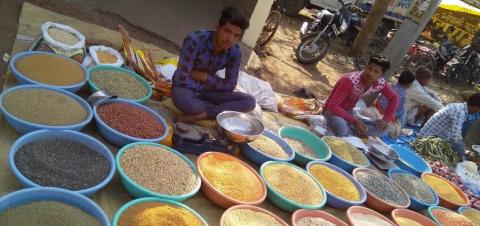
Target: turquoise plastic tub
[(138, 191), (283, 202), (23, 126), (122, 209), (22, 79), (309, 138), (91, 142), (29, 195), (93, 87), (415, 204)]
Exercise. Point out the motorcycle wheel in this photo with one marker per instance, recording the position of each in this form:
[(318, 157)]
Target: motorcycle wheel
[(458, 74), (420, 60), (270, 27), (308, 52)]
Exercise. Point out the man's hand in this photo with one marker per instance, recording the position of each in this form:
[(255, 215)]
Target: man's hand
[(382, 125), (359, 127), (199, 76)]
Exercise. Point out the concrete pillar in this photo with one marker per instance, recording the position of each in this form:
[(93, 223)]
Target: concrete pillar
[(257, 20)]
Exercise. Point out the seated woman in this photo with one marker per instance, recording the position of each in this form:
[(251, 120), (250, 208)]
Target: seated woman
[(405, 80), (349, 89)]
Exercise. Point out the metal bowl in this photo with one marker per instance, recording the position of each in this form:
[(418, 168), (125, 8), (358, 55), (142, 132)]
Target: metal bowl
[(382, 151), (239, 127), (99, 97)]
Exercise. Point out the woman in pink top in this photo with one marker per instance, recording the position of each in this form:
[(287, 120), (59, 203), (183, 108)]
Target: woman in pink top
[(349, 89)]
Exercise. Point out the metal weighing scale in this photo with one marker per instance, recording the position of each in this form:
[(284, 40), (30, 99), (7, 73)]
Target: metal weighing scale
[(194, 139)]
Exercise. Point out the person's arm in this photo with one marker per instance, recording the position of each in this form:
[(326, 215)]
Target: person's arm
[(433, 94), (419, 95), (392, 98), (184, 70), (231, 73), (340, 92)]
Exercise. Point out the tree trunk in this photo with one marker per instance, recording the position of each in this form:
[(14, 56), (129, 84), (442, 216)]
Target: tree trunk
[(364, 37), (407, 33)]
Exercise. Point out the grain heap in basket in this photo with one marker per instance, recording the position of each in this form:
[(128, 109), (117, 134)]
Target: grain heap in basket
[(269, 147), (345, 150)]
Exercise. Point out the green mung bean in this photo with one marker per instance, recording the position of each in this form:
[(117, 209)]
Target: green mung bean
[(47, 213), (119, 83), (51, 69), (45, 107)]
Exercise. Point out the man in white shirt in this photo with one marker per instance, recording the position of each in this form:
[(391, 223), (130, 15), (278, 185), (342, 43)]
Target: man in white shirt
[(422, 102), (447, 123)]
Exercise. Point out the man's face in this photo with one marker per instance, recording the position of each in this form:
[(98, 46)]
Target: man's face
[(372, 72), (227, 36)]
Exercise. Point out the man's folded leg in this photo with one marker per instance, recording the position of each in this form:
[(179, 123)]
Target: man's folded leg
[(227, 101)]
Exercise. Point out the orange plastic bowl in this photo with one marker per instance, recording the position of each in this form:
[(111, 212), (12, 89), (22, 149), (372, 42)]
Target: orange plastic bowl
[(376, 202), (301, 213), (412, 215), (364, 210), (217, 196), (253, 208), (445, 203)]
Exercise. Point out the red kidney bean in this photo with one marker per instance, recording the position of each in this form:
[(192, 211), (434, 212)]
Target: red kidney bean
[(130, 120)]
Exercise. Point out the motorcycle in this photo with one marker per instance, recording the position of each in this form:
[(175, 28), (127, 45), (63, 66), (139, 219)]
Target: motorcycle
[(318, 36), (464, 68), (419, 55)]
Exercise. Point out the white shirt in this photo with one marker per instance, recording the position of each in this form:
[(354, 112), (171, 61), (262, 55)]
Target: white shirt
[(447, 123), (418, 95)]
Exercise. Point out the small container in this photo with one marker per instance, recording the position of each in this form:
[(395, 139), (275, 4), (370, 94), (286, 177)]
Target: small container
[(100, 97), (259, 157), (252, 208), (301, 213), (239, 127), (318, 145)]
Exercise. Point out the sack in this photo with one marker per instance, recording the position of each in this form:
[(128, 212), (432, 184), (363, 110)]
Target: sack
[(467, 171), (93, 53), (62, 46)]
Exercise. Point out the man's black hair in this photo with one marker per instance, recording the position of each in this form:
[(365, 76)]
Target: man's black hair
[(423, 73), (474, 100), (406, 77), (234, 17), (381, 61)]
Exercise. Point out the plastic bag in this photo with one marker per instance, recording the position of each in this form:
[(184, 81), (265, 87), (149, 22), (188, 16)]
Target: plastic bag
[(467, 171), (93, 53), (62, 46)]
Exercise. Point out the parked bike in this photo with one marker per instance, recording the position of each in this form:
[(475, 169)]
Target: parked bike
[(464, 68), (317, 37), (420, 55), (272, 23)]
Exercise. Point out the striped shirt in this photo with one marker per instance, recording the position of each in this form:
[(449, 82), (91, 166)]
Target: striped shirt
[(447, 123)]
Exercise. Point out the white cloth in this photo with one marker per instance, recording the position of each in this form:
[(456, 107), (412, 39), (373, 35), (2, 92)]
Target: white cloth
[(447, 123), (418, 95)]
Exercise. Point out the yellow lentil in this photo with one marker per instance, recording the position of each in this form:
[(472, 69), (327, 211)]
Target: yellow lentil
[(106, 58), (335, 182), (345, 150), (450, 218), (154, 213), (246, 217), (293, 183), (50, 69), (443, 189), (472, 215), (402, 221), (269, 147), (231, 177)]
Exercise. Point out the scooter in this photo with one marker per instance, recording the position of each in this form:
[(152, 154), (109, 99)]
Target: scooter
[(317, 37)]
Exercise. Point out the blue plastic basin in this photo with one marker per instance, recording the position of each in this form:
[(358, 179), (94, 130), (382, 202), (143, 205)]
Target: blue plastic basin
[(22, 79), (415, 204), (121, 139), (91, 142), (336, 201), (94, 88), (310, 139), (283, 202), (122, 209), (139, 191), (23, 126), (30, 195), (345, 165), (410, 161), (259, 157)]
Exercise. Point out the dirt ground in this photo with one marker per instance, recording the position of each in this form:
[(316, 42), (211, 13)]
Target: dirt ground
[(279, 66)]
